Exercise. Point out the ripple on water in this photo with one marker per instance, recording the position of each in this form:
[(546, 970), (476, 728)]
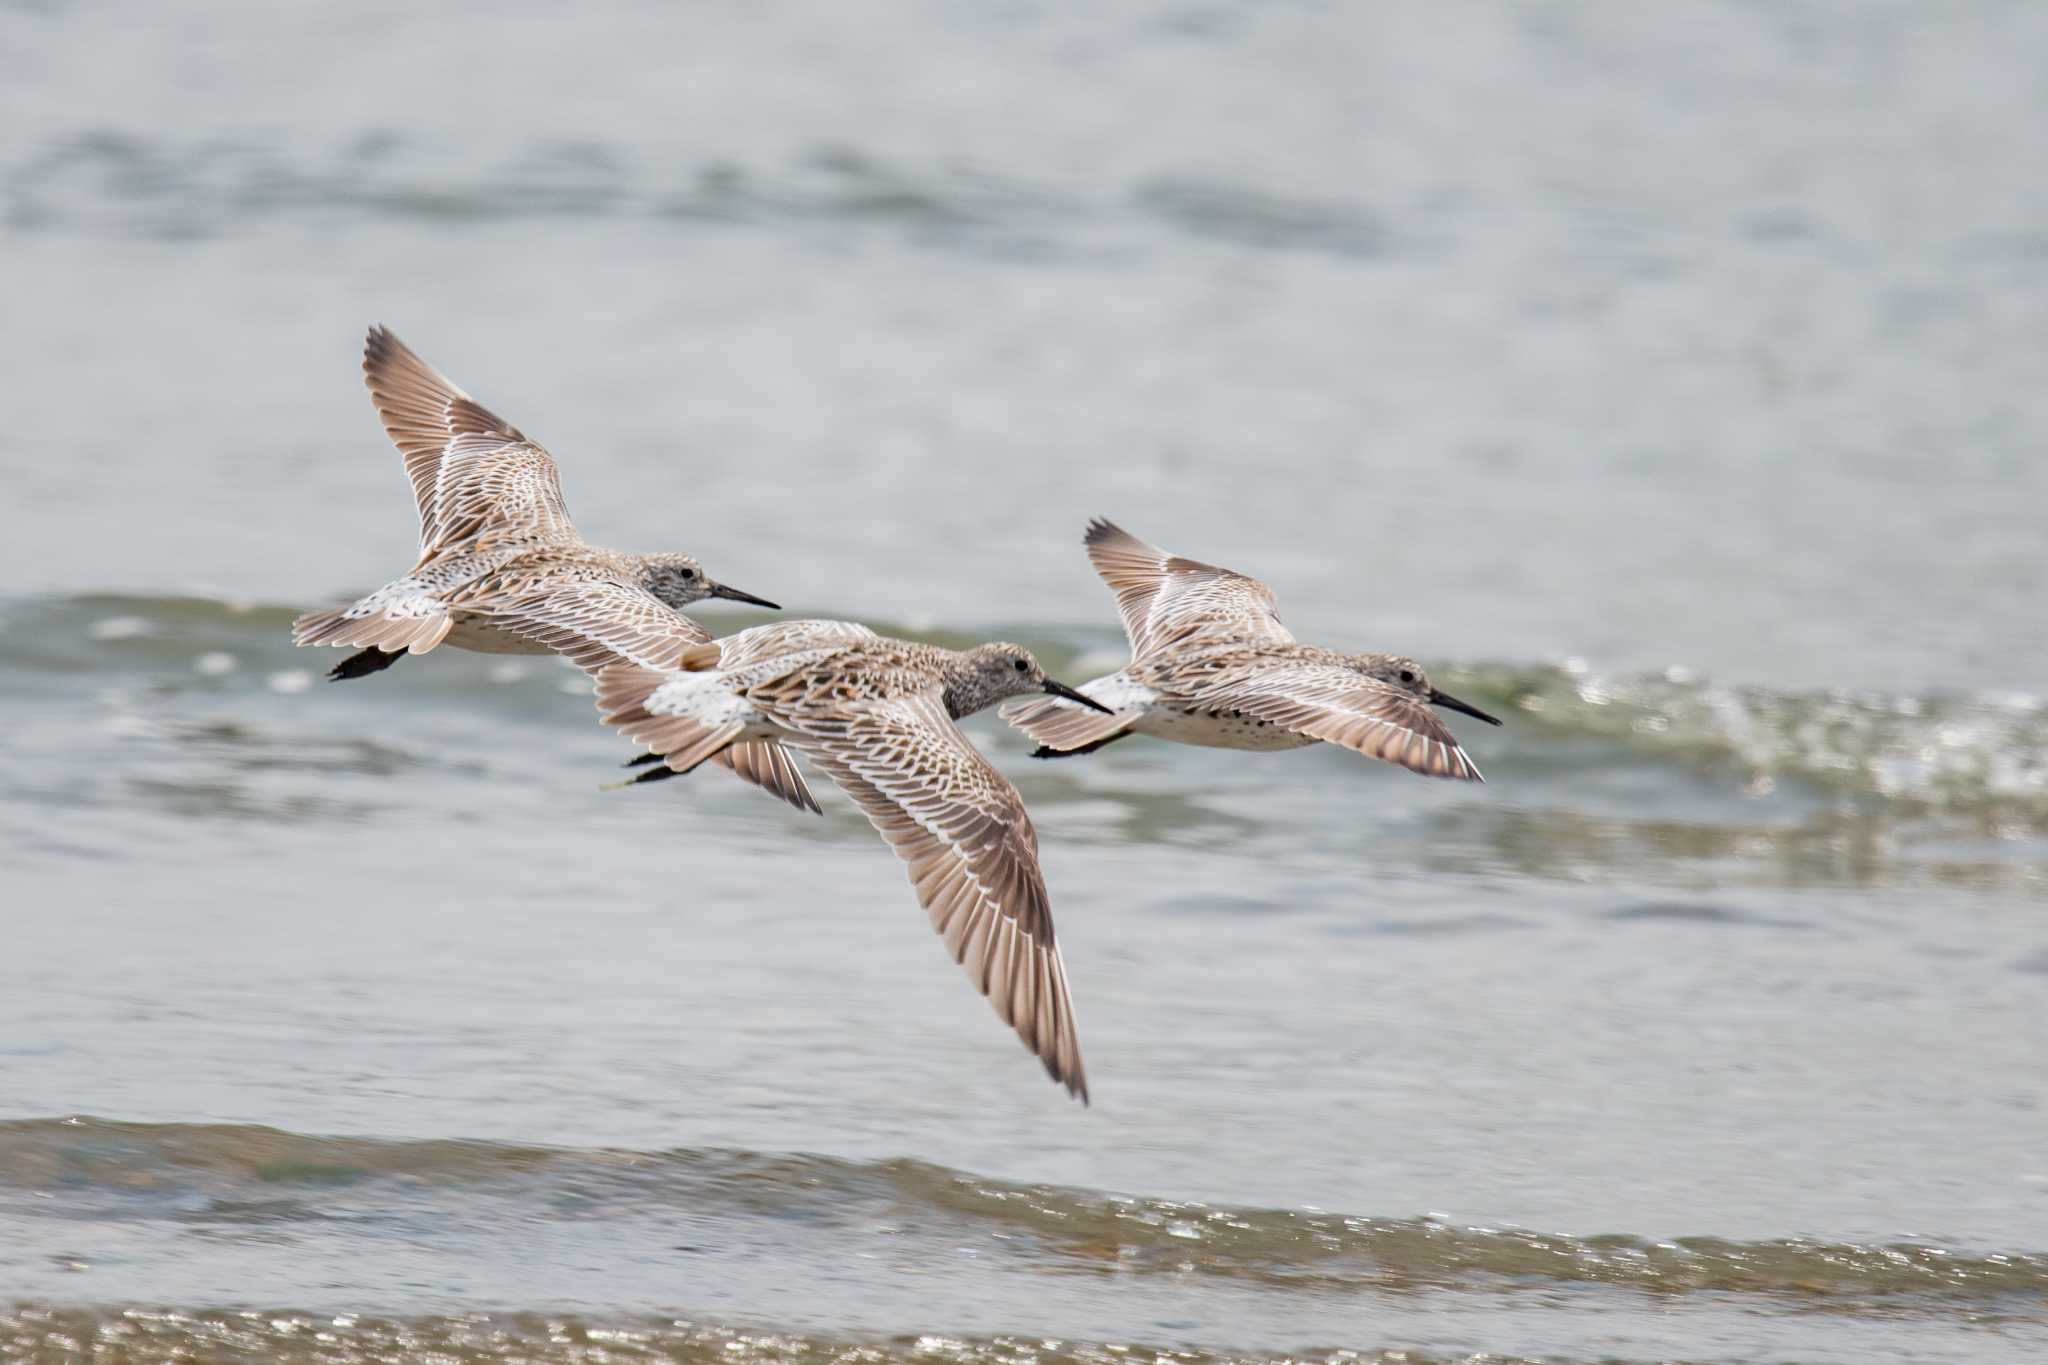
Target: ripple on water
[(220, 1176)]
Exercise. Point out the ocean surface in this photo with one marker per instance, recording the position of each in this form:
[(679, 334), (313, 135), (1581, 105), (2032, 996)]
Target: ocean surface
[(1669, 379)]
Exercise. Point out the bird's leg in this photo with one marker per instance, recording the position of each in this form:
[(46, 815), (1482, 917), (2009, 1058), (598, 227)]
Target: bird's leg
[(362, 665), (1047, 751), (653, 775)]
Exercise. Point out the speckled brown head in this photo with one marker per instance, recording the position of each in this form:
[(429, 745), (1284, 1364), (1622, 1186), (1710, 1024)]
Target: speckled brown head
[(679, 580), (1397, 670), (990, 673)]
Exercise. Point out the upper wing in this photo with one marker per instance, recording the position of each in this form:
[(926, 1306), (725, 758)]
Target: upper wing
[(973, 858), (1167, 600), (1336, 704), (472, 472)]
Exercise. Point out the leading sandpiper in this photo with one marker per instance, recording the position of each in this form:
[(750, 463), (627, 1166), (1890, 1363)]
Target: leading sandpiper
[(1212, 665)]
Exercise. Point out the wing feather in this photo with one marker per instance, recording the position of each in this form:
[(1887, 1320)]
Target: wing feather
[(598, 623), (762, 643), (1168, 600), (1342, 706), (972, 856), (474, 475)]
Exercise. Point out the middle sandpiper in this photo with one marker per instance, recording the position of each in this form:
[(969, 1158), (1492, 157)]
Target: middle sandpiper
[(877, 715)]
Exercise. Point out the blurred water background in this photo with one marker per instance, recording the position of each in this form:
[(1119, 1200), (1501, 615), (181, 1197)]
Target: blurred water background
[(1667, 378)]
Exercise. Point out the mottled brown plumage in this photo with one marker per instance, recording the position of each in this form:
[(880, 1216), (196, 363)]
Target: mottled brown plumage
[(502, 569), (877, 715), (1211, 664)]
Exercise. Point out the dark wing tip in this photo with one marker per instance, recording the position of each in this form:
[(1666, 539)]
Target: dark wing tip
[(382, 352), (1075, 1084), (1101, 529)]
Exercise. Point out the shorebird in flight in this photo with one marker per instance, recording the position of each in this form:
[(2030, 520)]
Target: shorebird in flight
[(877, 715), (1212, 665), (502, 569)]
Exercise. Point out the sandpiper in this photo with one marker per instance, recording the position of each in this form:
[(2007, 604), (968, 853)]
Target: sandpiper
[(1212, 665), (502, 569), (877, 715)]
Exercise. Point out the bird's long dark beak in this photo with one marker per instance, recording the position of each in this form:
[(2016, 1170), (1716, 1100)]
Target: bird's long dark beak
[(1437, 698), (1060, 689), (735, 595)]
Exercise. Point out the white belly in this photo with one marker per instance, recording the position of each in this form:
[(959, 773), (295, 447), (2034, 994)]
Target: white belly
[(1228, 730), (475, 633)]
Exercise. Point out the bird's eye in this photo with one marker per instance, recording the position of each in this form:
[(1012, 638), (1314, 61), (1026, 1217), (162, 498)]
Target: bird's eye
[(1408, 675), (688, 574), (1023, 666)]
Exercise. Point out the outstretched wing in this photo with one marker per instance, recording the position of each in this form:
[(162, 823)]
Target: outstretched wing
[(598, 623), (973, 858), (474, 475), (1167, 600), (1340, 706)]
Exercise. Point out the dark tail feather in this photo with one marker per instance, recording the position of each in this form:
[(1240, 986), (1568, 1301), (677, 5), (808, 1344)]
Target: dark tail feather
[(371, 660), (1047, 751)]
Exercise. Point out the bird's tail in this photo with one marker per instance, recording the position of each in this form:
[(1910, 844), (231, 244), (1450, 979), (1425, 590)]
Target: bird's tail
[(392, 623), (684, 718)]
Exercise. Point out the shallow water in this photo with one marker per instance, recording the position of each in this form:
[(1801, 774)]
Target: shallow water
[(1669, 386)]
